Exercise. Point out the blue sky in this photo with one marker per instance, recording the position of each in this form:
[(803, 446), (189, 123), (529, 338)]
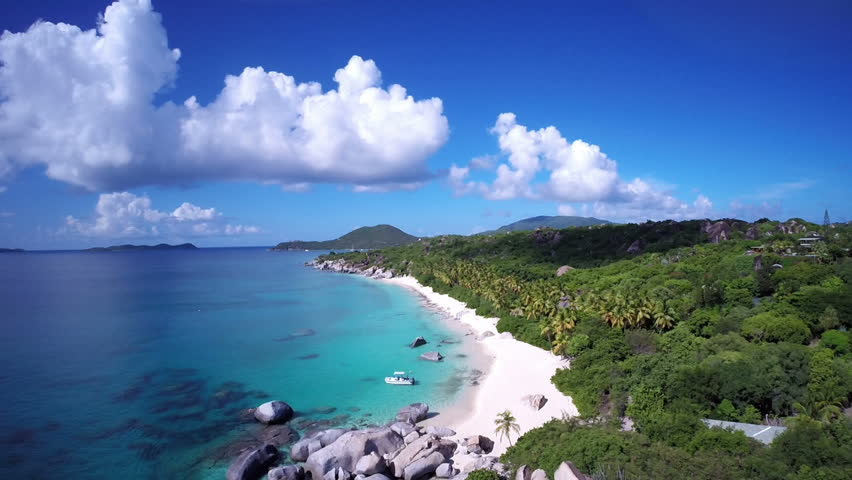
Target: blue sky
[(737, 109)]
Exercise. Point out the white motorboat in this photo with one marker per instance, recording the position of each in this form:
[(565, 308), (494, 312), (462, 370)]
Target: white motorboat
[(400, 378)]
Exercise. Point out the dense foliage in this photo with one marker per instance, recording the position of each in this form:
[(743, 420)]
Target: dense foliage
[(666, 328), (807, 451)]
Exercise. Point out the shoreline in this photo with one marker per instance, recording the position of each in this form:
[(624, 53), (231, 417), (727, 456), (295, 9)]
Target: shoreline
[(515, 370)]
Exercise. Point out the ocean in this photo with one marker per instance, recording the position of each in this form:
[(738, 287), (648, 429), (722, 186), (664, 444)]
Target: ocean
[(140, 365)]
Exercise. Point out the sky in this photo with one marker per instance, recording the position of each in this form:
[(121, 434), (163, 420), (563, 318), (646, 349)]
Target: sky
[(250, 122)]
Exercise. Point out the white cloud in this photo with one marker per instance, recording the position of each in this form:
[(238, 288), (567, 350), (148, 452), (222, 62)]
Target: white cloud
[(575, 172), (567, 210), (80, 103), (190, 212), (780, 190), (125, 215), (296, 187), (239, 229), (3, 188), (387, 187), (483, 162)]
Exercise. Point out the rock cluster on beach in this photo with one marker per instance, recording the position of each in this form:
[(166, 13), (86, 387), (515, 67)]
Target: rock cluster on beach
[(399, 450), (342, 266)]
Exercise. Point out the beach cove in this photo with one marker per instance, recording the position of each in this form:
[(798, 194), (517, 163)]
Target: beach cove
[(512, 371)]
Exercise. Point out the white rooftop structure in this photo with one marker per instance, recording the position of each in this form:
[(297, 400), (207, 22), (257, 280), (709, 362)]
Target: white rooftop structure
[(762, 433)]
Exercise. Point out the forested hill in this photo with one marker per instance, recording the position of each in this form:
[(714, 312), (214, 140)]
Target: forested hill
[(544, 221), (666, 324), (379, 236)]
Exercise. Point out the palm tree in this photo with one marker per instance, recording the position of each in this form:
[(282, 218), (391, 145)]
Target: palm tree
[(505, 422)]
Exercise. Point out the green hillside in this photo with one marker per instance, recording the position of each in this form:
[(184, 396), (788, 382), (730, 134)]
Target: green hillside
[(364, 238), (666, 324), (545, 221)]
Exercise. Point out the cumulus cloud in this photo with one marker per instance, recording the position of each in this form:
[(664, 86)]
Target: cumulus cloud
[(567, 210), (125, 215), (483, 162), (543, 164), (80, 103), (189, 212)]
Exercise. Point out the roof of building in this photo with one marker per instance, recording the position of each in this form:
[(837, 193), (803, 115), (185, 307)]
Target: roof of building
[(762, 433)]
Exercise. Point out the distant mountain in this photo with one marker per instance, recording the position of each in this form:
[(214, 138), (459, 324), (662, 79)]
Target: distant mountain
[(128, 248), (379, 236), (547, 221), (11, 250)]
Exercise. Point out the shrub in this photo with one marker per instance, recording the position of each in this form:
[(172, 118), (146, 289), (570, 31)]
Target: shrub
[(836, 340), (772, 327), (578, 344), (483, 474), (720, 440)]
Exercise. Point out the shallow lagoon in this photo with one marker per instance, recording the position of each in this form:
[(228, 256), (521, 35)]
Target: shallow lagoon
[(141, 364)]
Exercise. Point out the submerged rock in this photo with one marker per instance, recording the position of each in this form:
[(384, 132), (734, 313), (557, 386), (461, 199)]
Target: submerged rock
[(253, 464), (273, 412), (432, 356)]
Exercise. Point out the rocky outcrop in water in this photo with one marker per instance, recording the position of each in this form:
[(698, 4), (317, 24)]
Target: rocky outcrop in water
[(418, 342), (253, 464), (273, 412), (342, 266), (302, 449), (401, 450), (432, 356), (413, 413), (345, 452)]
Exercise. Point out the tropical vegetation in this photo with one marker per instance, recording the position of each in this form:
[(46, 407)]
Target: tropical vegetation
[(665, 324)]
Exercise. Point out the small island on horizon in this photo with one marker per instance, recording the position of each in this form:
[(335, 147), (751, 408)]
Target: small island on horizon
[(134, 248), (12, 250), (364, 238)]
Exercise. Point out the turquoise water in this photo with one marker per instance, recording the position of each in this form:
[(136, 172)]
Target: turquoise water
[(141, 364)]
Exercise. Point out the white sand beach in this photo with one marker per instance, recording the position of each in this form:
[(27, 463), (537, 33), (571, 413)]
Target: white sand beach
[(516, 369)]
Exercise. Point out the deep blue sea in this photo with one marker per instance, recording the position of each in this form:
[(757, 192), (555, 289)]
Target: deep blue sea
[(140, 365)]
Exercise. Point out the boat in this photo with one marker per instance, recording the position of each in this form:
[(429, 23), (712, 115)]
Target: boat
[(400, 378)]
